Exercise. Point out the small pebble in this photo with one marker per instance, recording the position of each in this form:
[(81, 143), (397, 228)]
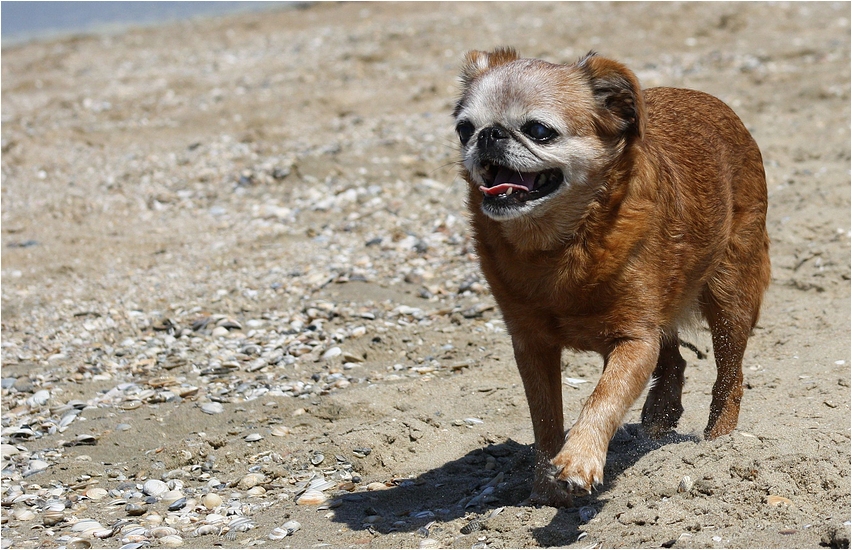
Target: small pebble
[(775, 500), (587, 513)]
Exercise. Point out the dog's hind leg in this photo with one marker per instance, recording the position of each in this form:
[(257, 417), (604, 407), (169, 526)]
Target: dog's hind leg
[(731, 304), (663, 406)]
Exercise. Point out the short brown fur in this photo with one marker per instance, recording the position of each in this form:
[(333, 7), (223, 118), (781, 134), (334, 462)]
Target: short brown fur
[(670, 223)]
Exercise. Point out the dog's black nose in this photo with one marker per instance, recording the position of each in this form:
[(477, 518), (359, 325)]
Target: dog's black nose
[(489, 135)]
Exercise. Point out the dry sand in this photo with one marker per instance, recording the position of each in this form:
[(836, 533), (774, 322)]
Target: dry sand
[(260, 214)]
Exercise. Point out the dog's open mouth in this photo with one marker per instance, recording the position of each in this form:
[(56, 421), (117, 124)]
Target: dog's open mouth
[(506, 185)]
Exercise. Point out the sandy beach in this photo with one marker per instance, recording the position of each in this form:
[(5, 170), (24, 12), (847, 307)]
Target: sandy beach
[(241, 305)]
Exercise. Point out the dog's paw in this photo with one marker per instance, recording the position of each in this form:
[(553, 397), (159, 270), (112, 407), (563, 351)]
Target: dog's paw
[(660, 415), (579, 472)]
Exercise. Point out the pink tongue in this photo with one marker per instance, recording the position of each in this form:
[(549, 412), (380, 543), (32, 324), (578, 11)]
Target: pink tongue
[(510, 179)]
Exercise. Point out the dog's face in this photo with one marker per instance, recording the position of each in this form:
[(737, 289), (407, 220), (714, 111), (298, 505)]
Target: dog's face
[(532, 132)]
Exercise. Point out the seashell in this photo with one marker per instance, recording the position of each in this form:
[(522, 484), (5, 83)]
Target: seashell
[(251, 480), (587, 513), (132, 529), (35, 466), (162, 531), (280, 431), (361, 452), (292, 526), (775, 500), (311, 496), (211, 500), (133, 545), (372, 519), (22, 433), (78, 543), (85, 439), (153, 519), (175, 484), (215, 518), (68, 418), (39, 398), (207, 530), (96, 493), (321, 484), (177, 505), (51, 517), (278, 533), (154, 487), (317, 459), (171, 496), (429, 543), (135, 508), (136, 539), (251, 438), (241, 524), (376, 486), (23, 514), (102, 533), (331, 353), (212, 408), (471, 527), (171, 541), (86, 525), (685, 484), (256, 491)]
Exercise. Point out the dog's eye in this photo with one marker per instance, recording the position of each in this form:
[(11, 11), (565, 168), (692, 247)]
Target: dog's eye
[(465, 131), (538, 131)]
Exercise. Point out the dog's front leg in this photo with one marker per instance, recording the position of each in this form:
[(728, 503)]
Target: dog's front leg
[(627, 368), (539, 366)]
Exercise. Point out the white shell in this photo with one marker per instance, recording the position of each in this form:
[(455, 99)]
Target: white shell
[(278, 533), (52, 517), (280, 431), (211, 500), (170, 496), (207, 530), (162, 531), (96, 493), (154, 487), (23, 514), (292, 526), (213, 407), (171, 541), (685, 484), (85, 525), (311, 496), (251, 480)]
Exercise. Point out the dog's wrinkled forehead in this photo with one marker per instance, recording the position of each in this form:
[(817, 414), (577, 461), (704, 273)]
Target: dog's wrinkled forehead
[(520, 91)]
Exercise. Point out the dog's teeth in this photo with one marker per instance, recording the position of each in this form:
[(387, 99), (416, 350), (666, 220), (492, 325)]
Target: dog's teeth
[(509, 191), (540, 179)]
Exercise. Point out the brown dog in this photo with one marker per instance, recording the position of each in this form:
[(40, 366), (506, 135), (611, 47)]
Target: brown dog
[(605, 218)]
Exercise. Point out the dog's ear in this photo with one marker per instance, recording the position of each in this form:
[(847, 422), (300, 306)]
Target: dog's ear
[(618, 94), (478, 62)]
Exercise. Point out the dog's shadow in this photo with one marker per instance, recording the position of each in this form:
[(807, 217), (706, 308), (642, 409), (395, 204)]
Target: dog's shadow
[(484, 480)]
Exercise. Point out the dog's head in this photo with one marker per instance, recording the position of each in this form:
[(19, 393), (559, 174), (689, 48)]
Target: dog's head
[(535, 134)]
